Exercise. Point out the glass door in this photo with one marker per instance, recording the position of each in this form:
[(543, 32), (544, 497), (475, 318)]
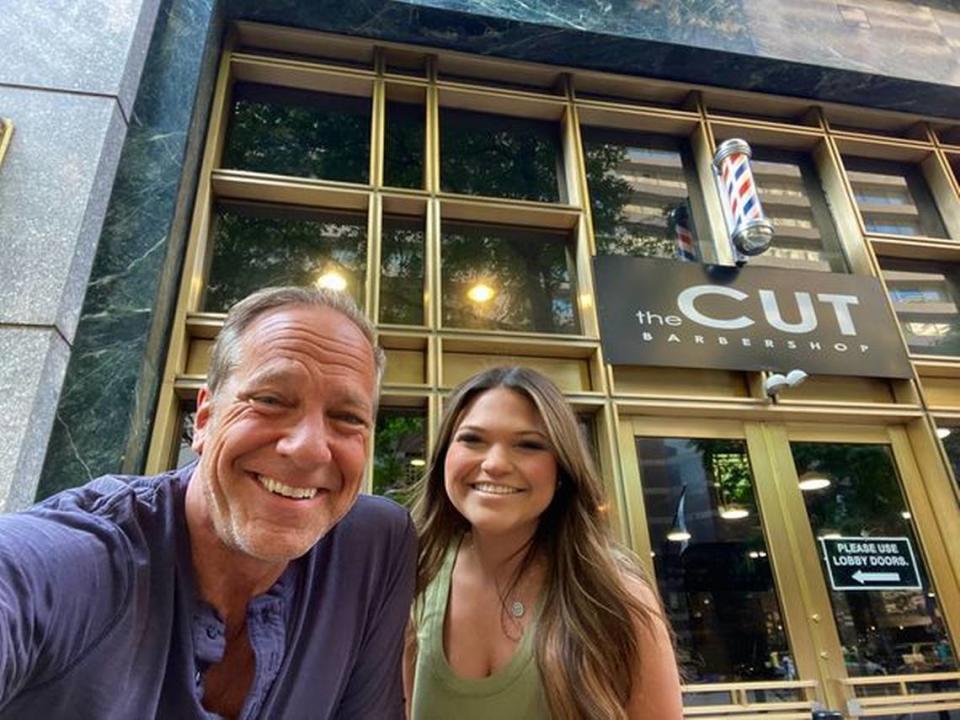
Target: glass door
[(775, 548)]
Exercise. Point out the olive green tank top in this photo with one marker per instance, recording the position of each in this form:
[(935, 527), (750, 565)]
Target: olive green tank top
[(511, 693)]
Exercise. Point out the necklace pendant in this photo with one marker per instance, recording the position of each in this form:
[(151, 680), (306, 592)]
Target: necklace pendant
[(517, 609)]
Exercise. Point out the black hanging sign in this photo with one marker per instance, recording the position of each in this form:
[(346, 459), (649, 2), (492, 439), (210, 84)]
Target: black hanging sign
[(870, 563), (682, 314)]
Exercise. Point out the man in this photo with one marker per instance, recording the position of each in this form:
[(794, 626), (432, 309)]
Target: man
[(253, 584)]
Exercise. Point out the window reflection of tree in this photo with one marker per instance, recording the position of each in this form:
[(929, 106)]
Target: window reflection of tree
[(401, 272), (256, 247), (531, 272), (499, 156), (635, 181), (400, 437), (294, 132)]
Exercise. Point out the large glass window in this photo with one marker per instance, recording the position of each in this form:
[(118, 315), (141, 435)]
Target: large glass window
[(401, 271), (263, 246), (893, 198), (399, 452), (950, 437), (500, 156), (794, 201), (857, 494), (295, 132), (403, 139), (711, 561), (508, 278), (925, 296), (640, 187)]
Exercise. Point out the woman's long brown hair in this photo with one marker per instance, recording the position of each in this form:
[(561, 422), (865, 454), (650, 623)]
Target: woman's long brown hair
[(586, 640)]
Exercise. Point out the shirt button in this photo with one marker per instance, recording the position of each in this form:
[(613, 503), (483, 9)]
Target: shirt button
[(196, 678), (212, 632)]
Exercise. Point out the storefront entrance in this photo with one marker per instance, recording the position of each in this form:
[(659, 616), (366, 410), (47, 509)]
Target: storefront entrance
[(798, 564)]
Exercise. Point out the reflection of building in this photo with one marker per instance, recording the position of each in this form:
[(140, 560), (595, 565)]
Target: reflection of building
[(456, 175)]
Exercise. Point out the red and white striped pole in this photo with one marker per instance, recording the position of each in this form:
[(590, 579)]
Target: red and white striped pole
[(750, 231)]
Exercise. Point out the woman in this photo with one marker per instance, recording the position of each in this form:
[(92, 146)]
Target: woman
[(525, 608)]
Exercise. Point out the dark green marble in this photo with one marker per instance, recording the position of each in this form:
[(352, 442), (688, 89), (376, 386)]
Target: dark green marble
[(109, 395)]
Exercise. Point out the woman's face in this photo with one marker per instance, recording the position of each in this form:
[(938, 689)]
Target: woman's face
[(500, 469)]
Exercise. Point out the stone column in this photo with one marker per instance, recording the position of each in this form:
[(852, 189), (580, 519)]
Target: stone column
[(69, 72)]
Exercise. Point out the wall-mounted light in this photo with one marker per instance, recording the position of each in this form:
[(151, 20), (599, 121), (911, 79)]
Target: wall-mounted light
[(944, 432), (813, 480), (677, 534), (418, 462), (331, 280), (481, 293), (734, 511)]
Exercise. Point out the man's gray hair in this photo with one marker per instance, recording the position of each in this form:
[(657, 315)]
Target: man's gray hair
[(225, 355)]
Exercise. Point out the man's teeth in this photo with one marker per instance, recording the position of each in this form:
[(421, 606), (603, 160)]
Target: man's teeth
[(495, 489), (286, 490)]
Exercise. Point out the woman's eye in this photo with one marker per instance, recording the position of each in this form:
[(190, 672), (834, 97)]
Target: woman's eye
[(533, 445), (468, 438)]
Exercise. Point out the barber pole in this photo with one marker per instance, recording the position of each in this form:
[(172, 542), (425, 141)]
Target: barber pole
[(679, 220), (749, 229)]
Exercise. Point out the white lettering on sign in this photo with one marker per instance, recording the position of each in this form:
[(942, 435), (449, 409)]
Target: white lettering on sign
[(686, 302)]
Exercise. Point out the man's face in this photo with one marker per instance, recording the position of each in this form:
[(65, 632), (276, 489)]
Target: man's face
[(283, 444)]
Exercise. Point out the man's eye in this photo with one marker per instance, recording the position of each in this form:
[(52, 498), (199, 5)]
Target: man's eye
[(269, 400), (351, 419)]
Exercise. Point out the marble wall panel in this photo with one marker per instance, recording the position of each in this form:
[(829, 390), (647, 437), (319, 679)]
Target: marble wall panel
[(110, 390), (54, 186), (34, 363), (87, 46)]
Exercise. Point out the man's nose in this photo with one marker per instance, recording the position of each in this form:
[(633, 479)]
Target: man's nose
[(308, 442)]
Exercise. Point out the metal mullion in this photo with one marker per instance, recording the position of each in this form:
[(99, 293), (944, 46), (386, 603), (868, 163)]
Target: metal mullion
[(192, 280)]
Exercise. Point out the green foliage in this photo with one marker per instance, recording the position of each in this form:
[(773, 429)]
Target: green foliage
[(253, 249), (401, 272), (404, 137), (531, 272), (400, 436), (616, 232), (294, 132), (496, 156)]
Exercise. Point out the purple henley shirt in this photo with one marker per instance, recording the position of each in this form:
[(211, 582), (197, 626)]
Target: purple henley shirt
[(100, 619)]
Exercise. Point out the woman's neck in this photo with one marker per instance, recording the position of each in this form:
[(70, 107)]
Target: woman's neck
[(498, 555)]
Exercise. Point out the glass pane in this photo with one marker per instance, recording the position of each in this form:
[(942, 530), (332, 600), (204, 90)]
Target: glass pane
[(893, 198), (711, 561), (256, 247), (184, 450), (507, 278), (883, 632), (401, 271), (404, 139), (498, 156), (399, 452), (794, 201), (640, 189), (925, 296), (295, 132), (950, 437)]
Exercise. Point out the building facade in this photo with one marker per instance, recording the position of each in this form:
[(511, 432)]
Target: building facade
[(459, 168)]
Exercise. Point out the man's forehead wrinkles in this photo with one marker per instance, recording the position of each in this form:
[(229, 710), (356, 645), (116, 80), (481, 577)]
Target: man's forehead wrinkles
[(283, 334)]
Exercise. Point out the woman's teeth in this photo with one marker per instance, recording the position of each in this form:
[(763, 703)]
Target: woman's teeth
[(492, 489)]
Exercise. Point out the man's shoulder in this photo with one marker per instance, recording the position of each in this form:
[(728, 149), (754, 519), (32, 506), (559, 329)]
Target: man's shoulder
[(114, 497), (378, 524)]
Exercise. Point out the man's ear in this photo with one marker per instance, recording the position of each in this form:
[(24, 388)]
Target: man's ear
[(201, 419)]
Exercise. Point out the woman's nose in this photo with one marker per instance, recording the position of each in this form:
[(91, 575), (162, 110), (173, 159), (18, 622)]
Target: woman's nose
[(496, 461)]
